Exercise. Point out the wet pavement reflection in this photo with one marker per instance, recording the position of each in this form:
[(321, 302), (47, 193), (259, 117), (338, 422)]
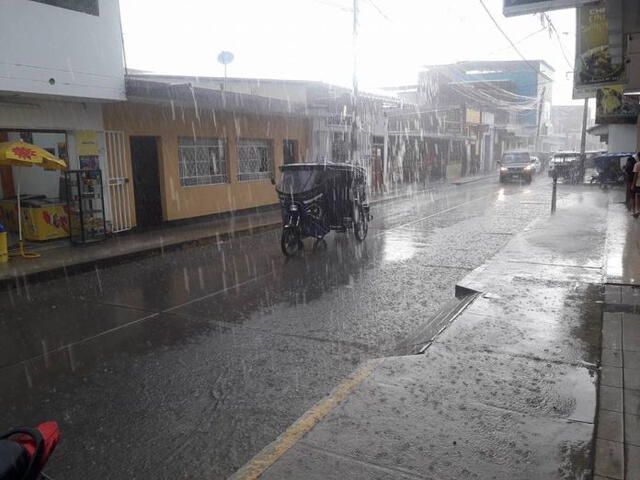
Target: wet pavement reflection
[(186, 364)]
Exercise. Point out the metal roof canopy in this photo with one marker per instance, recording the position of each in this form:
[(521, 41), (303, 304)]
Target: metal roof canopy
[(189, 95)]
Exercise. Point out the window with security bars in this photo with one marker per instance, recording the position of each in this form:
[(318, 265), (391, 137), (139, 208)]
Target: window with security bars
[(340, 147), (255, 160), (202, 161)]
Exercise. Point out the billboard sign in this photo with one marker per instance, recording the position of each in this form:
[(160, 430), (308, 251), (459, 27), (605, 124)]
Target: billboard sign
[(594, 66), (511, 8), (612, 106)]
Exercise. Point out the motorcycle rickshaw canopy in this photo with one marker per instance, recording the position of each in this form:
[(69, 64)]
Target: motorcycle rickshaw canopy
[(301, 178)]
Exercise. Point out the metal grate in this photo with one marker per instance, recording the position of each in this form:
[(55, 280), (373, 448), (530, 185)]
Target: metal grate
[(254, 160), (202, 161), (118, 181)]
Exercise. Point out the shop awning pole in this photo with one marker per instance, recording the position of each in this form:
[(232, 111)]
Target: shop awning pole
[(19, 212)]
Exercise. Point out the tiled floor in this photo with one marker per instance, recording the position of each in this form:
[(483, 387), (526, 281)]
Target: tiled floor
[(618, 431)]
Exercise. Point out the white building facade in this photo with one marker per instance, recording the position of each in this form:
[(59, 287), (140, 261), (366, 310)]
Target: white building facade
[(60, 61)]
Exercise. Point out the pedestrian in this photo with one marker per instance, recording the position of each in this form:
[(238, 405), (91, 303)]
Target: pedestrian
[(628, 177), (636, 186)]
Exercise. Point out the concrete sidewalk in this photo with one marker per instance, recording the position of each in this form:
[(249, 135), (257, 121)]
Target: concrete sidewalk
[(618, 431), (61, 258), (507, 391)]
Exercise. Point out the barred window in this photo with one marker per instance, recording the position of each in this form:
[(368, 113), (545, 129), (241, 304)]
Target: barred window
[(202, 161), (340, 147), (255, 160)]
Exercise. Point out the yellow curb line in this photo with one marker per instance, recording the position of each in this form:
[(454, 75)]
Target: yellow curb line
[(276, 449)]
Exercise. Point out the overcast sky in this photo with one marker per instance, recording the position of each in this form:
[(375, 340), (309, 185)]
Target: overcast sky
[(311, 39)]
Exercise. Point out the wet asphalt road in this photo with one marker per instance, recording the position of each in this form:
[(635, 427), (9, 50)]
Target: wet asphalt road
[(186, 365)]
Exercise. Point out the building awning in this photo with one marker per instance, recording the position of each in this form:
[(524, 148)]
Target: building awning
[(598, 130), (189, 95), (430, 135)]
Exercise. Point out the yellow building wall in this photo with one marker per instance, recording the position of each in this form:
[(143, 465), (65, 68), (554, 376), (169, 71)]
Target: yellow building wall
[(168, 124)]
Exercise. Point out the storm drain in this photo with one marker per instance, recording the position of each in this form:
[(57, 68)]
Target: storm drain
[(422, 337)]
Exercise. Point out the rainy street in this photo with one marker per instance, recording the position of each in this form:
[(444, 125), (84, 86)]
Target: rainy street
[(187, 364)]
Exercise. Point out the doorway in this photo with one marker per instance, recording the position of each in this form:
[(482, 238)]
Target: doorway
[(377, 164), (146, 181), (290, 151)]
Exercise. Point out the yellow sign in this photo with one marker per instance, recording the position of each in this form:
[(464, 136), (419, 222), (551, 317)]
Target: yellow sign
[(612, 106), (86, 142), (473, 116), (594, 66)]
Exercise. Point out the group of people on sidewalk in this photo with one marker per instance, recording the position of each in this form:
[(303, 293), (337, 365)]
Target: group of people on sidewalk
[(632, 177)]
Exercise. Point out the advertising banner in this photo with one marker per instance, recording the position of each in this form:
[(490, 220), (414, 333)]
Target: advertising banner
[(522, 7), (612, 106), (87, 142), (593, 67)]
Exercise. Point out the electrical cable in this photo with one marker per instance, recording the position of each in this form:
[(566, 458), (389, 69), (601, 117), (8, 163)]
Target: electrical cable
[(506, 36), (552, 27), (386, 17)]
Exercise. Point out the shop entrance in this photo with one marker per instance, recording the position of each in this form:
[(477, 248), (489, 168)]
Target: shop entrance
[(377, 167), (146, 181)]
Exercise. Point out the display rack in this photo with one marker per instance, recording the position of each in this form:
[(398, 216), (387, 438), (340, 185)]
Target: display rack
[(85, 197)]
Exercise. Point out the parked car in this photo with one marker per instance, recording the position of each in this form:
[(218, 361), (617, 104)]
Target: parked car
[(516, 166)]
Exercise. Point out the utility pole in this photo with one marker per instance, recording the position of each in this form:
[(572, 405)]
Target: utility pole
[(583, 138), (540, 108), (354, 121)]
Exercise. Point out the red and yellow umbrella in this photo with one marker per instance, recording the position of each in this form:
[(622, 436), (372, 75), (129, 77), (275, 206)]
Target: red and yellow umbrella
[(23, 154)]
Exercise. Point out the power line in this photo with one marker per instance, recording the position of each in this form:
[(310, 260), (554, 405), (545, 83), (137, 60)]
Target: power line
[(506, 36), (380, 11), (518, 42), (552, 27)]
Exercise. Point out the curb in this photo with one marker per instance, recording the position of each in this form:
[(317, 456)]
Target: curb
[(472, 180), (399, 197), (151, 251)]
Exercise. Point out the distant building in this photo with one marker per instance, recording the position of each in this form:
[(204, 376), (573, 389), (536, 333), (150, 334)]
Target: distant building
[(566, 130), (460, 117), (518, 92)]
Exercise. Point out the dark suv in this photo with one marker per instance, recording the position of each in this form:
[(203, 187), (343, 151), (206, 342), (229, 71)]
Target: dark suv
[(516, 166)]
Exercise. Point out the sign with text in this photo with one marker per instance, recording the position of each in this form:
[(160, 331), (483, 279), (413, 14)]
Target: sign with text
[(594, 67), (86, 142), (612, 106), (523, 7)]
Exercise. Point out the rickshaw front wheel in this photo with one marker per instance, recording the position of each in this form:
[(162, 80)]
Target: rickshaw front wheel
[(290, 241), (360, 224)]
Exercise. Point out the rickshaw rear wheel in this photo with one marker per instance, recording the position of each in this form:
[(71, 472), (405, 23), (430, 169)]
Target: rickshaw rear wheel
[(290, 242), (360, 224)]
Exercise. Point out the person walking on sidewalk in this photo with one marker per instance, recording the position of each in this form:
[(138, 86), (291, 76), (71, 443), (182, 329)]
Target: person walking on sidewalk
[(629, 180), (636, 186)]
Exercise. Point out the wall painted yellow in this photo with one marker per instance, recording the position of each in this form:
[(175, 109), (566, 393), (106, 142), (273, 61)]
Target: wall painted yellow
[(169, 123)]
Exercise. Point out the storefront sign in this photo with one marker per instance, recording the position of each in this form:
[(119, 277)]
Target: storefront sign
[(86, 142), (473, 116), (339, 120), (612, 106), (522, 7), (593, 67)]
